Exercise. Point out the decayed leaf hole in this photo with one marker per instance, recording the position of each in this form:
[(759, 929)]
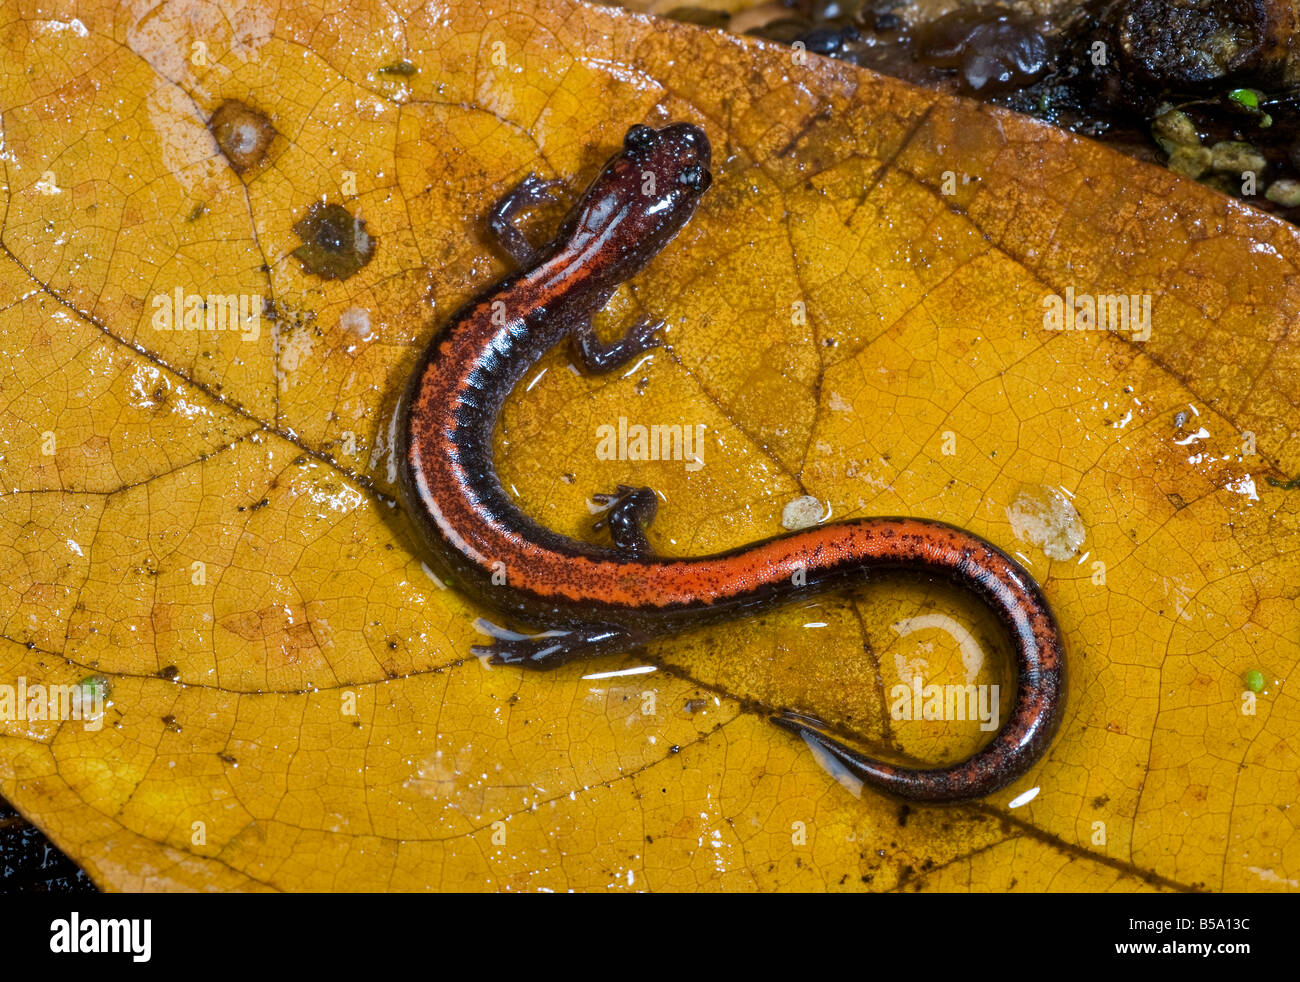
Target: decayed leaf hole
[(242, 133), (334, 243)]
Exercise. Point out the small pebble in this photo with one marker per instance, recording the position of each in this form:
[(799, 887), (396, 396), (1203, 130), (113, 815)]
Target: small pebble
[(1285, 192), (1235, 157)]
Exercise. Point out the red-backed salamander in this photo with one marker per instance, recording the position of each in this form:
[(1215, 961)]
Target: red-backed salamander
[(591, 599)]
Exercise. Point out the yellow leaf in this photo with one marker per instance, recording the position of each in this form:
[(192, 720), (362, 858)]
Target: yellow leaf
[(205, 520)]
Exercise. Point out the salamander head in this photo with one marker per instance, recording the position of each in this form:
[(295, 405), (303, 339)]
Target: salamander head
[(643, 197)]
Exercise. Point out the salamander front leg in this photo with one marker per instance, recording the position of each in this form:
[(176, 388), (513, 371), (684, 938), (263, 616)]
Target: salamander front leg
[(628, 513), (599, 357), (551, 649), (528, 193)]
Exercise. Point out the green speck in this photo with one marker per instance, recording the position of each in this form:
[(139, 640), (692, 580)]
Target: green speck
[(1246, 97), (1265, 121), (403, 68), (1255, 680), (94, 687)]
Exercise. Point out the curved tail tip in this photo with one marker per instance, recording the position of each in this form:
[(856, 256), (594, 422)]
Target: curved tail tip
[(849, 770), (808, 727)]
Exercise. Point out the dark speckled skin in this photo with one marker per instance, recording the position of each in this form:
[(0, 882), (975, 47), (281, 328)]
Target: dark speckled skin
[(593, 599)]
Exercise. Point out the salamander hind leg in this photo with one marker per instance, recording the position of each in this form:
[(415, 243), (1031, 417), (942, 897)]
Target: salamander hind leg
[(599, 357), (528, 193), (628, 513), (550, 649)]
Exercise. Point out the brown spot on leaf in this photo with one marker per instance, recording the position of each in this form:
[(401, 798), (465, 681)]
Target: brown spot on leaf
[(242, 133), (283, 631), (334, 243), (161, 618)]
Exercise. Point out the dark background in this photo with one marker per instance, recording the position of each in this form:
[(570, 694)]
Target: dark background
[(29, 863)]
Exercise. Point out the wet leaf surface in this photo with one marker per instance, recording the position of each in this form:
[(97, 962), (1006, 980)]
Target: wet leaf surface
[(206, 519)]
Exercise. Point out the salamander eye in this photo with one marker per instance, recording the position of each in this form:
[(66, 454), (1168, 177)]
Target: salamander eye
[(695, 177), (639, 137)]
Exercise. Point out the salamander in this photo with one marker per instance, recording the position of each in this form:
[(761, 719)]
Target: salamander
[(592, 599)]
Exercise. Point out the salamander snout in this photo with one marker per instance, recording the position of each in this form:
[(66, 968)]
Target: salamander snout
[(679, 152), (643, 197)]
